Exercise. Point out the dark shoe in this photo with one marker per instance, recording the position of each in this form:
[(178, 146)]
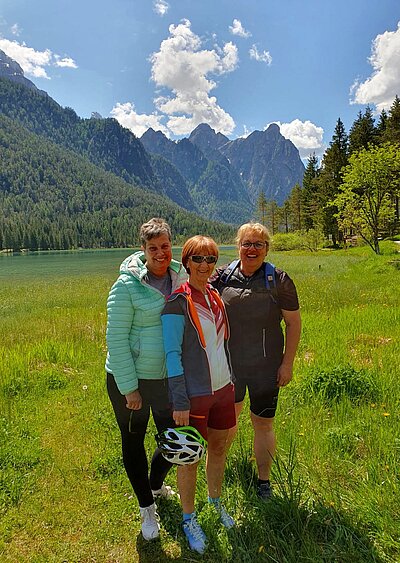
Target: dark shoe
[(264, 491)]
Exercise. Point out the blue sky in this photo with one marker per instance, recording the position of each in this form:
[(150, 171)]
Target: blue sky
[(238, 65)]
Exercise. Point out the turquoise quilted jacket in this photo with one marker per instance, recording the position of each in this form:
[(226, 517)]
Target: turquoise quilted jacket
[(134, 330)]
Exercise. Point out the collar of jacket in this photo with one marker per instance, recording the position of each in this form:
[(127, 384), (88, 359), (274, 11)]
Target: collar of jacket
[(186, 291)]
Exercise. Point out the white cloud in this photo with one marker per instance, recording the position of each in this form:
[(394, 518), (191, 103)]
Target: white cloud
[(160, 7), (126, 115), (65, 62), (184, 68), (263, 57), (384, 83), (32, 62), (15, 29), (306, 136), (237, 29)]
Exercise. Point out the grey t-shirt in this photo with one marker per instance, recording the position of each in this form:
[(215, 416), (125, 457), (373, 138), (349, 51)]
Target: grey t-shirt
[(163, 284)]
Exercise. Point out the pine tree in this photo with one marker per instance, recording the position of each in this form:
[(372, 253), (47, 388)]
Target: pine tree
[(310, 195), (330, 178), (261, 207), (363, 132), (381, 126), (392, 131)]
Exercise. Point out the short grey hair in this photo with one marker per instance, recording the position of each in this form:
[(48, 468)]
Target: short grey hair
[(154, 228)]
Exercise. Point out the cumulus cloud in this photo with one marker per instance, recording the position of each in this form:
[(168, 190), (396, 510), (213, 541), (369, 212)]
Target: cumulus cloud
[(237, 29), (65, 62), (306, 136), (32, 62), (160, 7), (184, 68), (384, 83), (263, 57), (127, 116)]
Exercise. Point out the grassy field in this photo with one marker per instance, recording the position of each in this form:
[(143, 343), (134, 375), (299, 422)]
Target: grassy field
[(64, 496)]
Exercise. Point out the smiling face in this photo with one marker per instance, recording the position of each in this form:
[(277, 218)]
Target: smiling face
[(199, 273), (252, 258), (158, 253)]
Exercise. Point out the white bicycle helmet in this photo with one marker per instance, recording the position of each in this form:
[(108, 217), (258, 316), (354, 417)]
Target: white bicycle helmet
[(183, 445)]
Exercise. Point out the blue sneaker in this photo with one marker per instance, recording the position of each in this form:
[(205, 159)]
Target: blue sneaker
[(194, 534), (226, 519)]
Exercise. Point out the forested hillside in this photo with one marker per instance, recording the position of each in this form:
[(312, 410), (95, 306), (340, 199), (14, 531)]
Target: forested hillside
[(103, 141), (52, 198)]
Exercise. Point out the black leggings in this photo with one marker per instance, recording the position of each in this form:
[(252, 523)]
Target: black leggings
[(133, 426)]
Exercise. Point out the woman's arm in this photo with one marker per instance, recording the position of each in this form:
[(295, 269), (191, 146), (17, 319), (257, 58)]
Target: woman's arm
[(120, 318), (292, 321), (173, 323)]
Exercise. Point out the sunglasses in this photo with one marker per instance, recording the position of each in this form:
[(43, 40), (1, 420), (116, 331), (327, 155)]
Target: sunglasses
[(199, 259), (257, 245)]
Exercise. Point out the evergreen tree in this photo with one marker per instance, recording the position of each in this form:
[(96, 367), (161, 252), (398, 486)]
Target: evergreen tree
[(261, 207), (272, 216), (392, 131), (381, 126), (330, 178), (310, 194), (362, 132), (295, 205)]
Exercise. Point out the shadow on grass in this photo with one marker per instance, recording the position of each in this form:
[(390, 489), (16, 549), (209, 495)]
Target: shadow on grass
[(290, 527)]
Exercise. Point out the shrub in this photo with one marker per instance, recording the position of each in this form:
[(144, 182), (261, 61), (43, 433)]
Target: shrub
[(338, 382), (286, 241)]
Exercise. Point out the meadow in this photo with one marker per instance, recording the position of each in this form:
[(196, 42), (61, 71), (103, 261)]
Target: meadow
[(64, 496)]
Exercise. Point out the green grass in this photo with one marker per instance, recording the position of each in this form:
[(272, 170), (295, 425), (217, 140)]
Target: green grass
[(64, 495)]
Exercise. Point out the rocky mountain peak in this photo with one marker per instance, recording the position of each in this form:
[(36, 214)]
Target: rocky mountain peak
[(206, 138), (11, 70)]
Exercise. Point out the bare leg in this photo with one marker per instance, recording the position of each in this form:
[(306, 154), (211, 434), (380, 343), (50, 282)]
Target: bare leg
[(215, 465), (233, 431), (187, 477), (264, 444)]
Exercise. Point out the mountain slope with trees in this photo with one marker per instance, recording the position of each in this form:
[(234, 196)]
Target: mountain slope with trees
[(51, 198)]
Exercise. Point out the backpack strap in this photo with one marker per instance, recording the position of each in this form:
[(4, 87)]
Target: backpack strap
[(269, 272), (270, 280), (227, 273)]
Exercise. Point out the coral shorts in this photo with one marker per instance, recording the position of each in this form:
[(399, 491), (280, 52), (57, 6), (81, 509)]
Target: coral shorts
[(215, 411)]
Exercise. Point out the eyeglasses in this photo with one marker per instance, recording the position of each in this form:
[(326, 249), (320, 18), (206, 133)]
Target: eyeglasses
[(199, 259), (257, 245)]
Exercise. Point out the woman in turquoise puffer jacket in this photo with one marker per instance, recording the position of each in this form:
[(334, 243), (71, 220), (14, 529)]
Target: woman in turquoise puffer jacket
[(135, 364)]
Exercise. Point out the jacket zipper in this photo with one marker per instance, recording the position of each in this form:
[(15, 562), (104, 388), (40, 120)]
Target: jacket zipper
[(264, 342)]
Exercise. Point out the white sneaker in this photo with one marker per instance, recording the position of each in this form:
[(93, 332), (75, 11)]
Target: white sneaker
[(165, 492), (150, 525)]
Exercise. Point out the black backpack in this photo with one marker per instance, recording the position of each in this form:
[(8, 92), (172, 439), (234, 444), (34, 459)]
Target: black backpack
[(270, 277)]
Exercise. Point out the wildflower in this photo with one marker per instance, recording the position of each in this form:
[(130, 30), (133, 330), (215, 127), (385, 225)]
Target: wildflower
[(260, 549), (301, 433), (373, 405), (84, 387), (386, 414)]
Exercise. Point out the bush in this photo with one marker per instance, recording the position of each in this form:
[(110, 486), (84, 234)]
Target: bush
[(286, 241), (338, 382)]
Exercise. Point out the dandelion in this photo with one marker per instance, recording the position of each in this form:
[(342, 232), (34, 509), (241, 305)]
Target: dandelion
[(373, 405), (301, 433), (386, 414)]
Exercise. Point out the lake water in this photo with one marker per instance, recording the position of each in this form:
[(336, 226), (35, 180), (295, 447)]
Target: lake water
[(75, 262)]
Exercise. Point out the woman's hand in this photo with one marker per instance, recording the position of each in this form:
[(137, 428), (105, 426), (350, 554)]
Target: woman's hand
[(181, 418), (134, 400)]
